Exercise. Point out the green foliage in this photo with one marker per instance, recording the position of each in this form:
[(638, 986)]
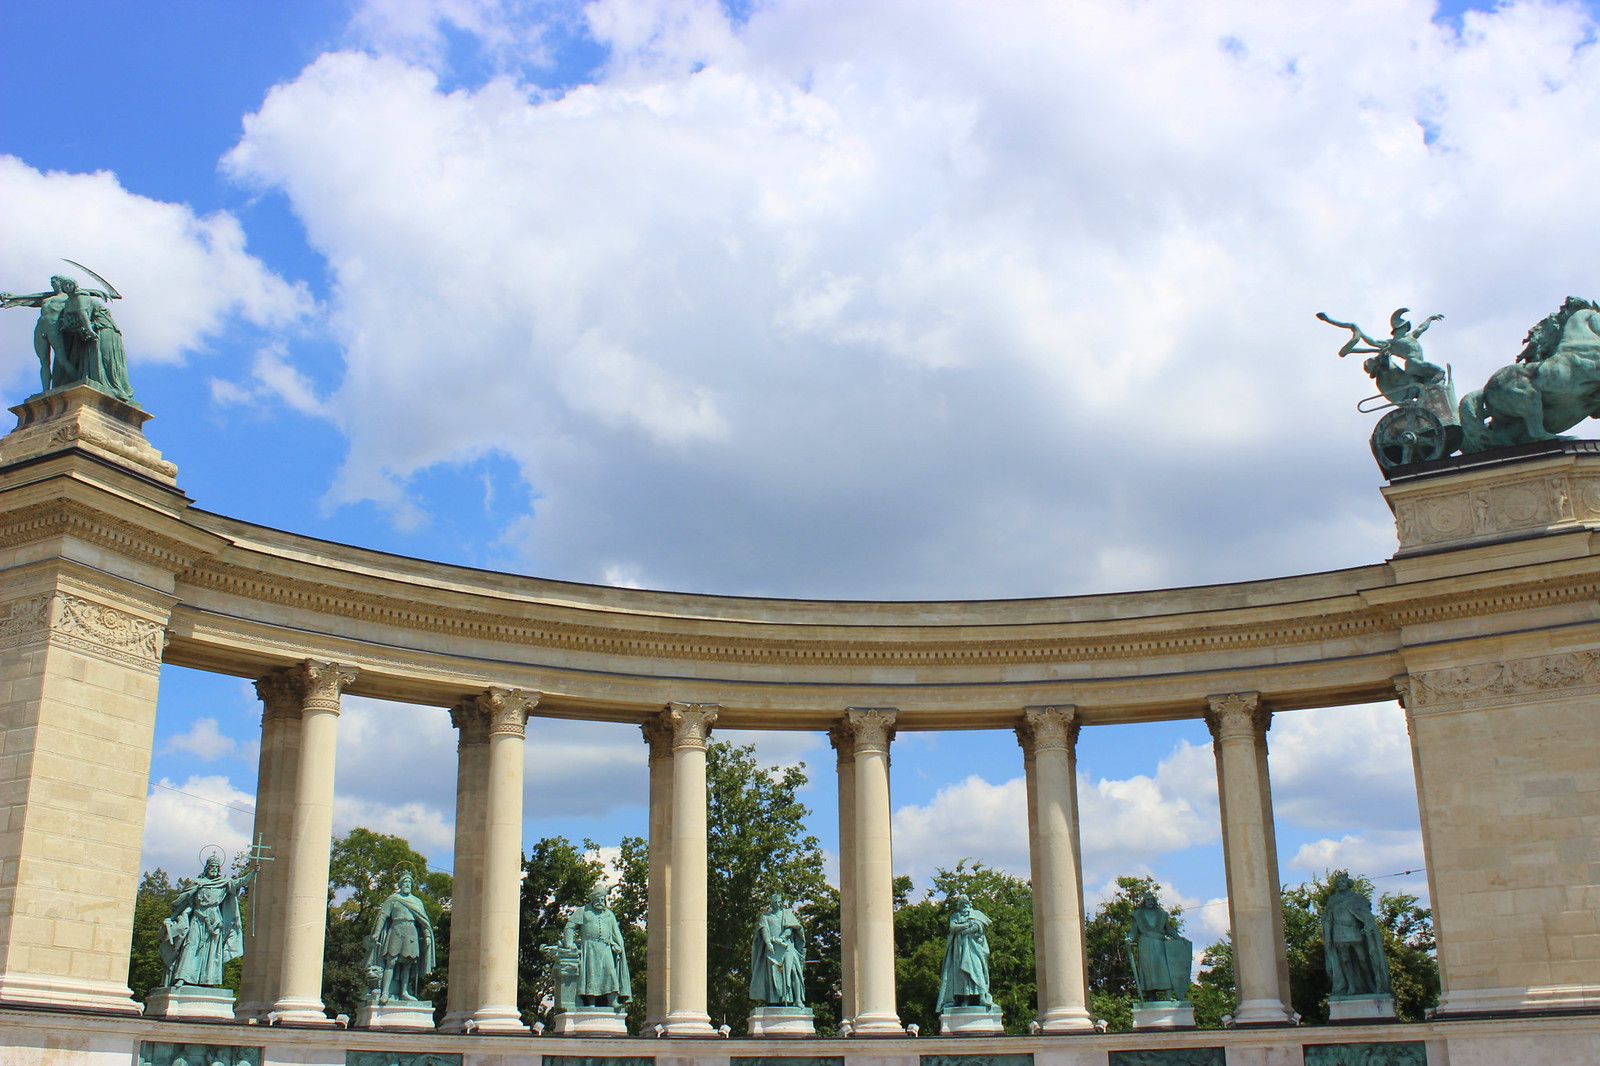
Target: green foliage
[(361, 874), (557, 877), (824, 946), (151, 906), (1213, 991), (922, 929), (755, 845), (1112, 989), (630, 901)]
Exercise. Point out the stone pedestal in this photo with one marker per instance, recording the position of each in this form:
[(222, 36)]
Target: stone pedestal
[(591, 1023), (781, 1022), (84, 418), (971, 1021), (413, 1015), (1164, 1014), (1361, 1009), (190, 1002)]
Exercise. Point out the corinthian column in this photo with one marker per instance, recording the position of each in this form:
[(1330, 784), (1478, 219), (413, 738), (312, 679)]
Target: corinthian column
[(686, 1004), (274, 827), (506, 716), (1239, 727), (299, 999), (844, 743), (658, 920), (877, 1013), (472, 821), (1050, 735)]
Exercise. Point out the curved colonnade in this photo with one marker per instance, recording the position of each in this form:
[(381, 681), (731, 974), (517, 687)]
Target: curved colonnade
[(1486, 624)]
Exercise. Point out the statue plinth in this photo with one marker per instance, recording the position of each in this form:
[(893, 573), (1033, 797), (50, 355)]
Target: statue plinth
[(971, 1021), (782, 1022), (1371, 1008), (190, 1001), (82, 418), (599, 1022), (396, 1014), (1163, 1014)]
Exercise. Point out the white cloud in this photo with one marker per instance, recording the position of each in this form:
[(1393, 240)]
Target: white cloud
[(184, 276), (183, 817), (1337, 767), (203, 740), (1378, 854)]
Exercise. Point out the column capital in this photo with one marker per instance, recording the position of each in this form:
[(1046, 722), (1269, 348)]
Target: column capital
[(1237, 714), (689, 723), (872, 727), (506, 709), (843, 739), (279, 692), (471, 722), (1402, 689), (1053, 728), (658, 734), (321, 684)]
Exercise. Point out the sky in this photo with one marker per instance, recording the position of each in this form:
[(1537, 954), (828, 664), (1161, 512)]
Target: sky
[(858, 299)]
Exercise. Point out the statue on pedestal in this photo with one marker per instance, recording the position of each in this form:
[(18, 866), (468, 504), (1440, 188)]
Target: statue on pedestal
[(964, 978), (76, 338), (592, 933), (1352, 943), (1162, 958), (203, 934), (401, 947), (777, 957)]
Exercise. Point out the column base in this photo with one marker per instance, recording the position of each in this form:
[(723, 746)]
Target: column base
[(687, 1023), (971, 1021), (1506, 1000), (497, 1020), (1058, 1020), (190, 1001), (253, 1012), (869, 1024), (1262, 1013), (43, 990), (301, 1012), (1163, 1014), (455, 1021), (782, 1023), (412, 1015), (591, 1023)]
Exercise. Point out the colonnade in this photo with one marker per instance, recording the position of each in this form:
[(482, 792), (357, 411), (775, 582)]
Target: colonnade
[(283, 965)]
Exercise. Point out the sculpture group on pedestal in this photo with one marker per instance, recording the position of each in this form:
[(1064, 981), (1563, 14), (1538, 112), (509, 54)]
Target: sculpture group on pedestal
[(593, 985), (1352, 946), (777, 973), (76, 338), (400, 955), (965, 1005), (1162, 960), (200, 936)]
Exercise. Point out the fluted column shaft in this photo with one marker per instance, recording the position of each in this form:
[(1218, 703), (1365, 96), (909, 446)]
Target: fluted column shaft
[(299, 999), (274, 821), (877, 1011), (686, 1002), (506, 714), (844, 743), (1239, 726), (1051, 735), (658, 922), (472, 810)]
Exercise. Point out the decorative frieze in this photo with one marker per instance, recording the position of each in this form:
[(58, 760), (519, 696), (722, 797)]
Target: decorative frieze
[(690, 723), (1543, 676), (85, 625), (1457, 513), (872, 727)]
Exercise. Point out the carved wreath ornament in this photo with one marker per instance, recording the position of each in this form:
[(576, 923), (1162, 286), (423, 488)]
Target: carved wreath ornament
[(85, 624)]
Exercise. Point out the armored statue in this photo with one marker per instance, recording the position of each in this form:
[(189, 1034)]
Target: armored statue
[(401, 947)]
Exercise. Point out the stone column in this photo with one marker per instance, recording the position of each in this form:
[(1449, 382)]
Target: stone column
[(1050, 734), (277, 772), (877, 1013), (506, 711), (1035, 876), (1239, 739), (686, 1006), (305, 913), (844, 743), (472, 823), (658, 920)]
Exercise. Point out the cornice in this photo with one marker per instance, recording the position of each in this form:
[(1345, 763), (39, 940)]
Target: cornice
[(69, 518)]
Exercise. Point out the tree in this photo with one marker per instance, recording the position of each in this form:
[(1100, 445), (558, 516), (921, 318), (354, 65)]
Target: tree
[(361, 874), (556, 877), (922, 928), (756, 844), (1112, 989), (631, 904), (151, 906)]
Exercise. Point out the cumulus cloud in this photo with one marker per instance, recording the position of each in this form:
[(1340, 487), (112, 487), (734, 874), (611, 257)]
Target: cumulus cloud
[(790, 280), (1334, 767), (203, 740), (1392, 857), (183, 817), (184, 276)]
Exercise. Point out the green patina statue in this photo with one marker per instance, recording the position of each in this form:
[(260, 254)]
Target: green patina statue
[(1162, 958), (964, 979), (76, 338), (401, 946), (203, 934), (593, 939), (777, 957), (1352, 943)]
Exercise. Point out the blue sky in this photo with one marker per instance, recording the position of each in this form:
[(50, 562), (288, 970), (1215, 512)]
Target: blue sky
[(858, 300)]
